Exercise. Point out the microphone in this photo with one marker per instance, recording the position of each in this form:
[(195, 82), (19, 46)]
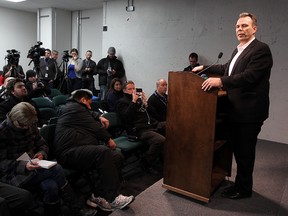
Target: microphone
[(219, 57)]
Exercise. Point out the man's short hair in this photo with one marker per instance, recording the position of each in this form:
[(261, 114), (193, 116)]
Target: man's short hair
[(193, 55), (55, 52), (12, 83), (80, 93), (127, 83), (252, 16)]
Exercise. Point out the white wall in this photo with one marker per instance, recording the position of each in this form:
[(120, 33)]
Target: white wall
[(62, 31), (159, 36), (18, 31)]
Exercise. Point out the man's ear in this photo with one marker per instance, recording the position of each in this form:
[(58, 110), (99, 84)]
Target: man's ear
[(83, 100)]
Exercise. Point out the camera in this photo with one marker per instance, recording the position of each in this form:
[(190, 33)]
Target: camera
[(66, 56), (12, 56), (36, 51), (40, 85)]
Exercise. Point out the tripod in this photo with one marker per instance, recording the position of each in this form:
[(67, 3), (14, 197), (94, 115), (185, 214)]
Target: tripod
[(65, 81)]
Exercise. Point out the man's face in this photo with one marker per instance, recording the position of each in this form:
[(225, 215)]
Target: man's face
[(129, 89), (88, 55), (162, 87), (193, 62), (245, 30), (32, 79), (55, 55), (111, 55), (47, 54), (19, 90)]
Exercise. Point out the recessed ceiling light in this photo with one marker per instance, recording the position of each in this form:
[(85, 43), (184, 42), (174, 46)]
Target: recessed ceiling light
[(16, 1)]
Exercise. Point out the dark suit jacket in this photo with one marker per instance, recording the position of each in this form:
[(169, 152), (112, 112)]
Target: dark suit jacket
[(248, 85)]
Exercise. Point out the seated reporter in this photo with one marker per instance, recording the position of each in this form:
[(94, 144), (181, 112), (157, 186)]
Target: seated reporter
[(35, 88), (157, 102), (138, 123), (17, 93), (18, 135), (79, 133)]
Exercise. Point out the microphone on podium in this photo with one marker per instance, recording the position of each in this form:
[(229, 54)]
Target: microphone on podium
[(219, 57)]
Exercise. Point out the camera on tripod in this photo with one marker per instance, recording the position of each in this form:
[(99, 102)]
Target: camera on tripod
[(66, 56), (12, 57), (36, 51)]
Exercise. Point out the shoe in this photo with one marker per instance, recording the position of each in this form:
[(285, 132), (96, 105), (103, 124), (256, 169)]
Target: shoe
[(229, 189), (232, 193), (102, 203), (121, 201)]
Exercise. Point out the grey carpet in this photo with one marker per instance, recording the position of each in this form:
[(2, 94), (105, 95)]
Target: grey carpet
[(270, 192)]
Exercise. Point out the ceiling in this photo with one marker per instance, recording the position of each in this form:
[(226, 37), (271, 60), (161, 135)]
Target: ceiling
[(71, 5)]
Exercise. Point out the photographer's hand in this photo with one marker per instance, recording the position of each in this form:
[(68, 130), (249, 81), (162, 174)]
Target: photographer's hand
[(144, 99)]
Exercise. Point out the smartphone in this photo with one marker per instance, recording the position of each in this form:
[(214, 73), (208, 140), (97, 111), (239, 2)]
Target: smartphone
[(138, 90)]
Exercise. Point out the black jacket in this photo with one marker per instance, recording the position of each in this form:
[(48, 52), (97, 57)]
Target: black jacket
[(248, 85), (102, 67), (88, 75), (134, 119), (76, 126), (7, 105), (157, 106)]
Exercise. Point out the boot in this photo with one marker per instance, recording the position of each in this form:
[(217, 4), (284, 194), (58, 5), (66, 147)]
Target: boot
[(70, 200), (51, 209)]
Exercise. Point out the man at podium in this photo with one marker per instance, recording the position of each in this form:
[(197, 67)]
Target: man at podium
[(246, 79)]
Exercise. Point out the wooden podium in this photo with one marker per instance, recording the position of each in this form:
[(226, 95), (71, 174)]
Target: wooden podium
[(197, 157)]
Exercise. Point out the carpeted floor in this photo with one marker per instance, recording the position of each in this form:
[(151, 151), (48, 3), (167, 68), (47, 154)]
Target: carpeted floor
[(270, 192)]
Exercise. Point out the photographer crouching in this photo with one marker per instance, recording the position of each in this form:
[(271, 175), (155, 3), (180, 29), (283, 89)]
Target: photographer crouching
[(35, 88), (13, 69)]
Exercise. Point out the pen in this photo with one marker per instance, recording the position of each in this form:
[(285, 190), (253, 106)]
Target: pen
[(32, 164)]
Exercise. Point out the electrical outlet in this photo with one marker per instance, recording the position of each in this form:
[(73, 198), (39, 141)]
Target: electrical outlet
[(130, 8)]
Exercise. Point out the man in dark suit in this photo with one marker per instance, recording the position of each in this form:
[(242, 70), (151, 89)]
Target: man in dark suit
[(88, 71), (246, 80)]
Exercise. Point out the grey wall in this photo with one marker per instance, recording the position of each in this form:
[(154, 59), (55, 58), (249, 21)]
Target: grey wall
[(159, 36), (18, 31)]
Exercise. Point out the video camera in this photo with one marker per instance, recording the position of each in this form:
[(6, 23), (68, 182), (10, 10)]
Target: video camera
[(36, 51), (66, 56), (12, 56)]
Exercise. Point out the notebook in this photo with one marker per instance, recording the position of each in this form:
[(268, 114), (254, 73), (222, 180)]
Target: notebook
[(42, 163)]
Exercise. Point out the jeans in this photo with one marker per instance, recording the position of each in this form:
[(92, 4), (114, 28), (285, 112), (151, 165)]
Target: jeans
[(103, 91), (50, 181), (155, 140)]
